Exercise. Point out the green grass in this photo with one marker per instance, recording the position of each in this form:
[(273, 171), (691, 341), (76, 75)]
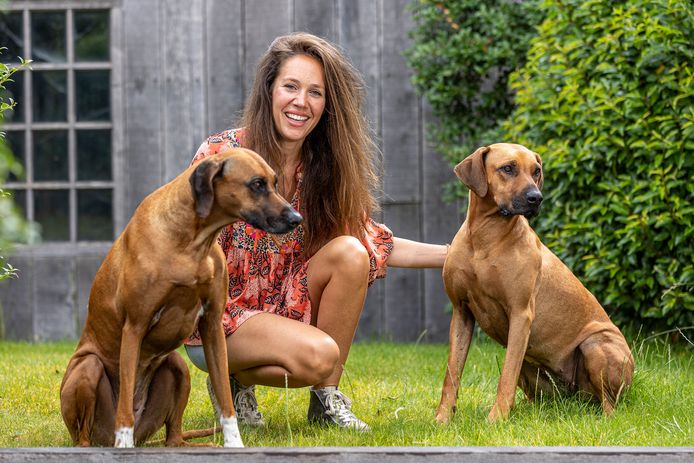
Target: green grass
[(395, 388)]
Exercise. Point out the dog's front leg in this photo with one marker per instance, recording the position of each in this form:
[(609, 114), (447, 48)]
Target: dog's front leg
[(460, 336), (520, 321), (131, 341), (214, 345)]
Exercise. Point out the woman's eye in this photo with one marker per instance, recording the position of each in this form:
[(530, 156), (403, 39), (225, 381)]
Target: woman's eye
[(316, 93)]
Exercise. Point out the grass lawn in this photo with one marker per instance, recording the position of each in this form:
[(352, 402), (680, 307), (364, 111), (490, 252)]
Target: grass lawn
[(395, 388)]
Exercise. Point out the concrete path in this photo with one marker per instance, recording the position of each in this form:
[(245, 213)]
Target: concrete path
[(356, 455)]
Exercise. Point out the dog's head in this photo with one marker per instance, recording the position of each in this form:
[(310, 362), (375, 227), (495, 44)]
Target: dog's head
[(508, 174), (241, 185)]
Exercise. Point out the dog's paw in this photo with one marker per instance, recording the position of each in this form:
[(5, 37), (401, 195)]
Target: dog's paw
[(497, 415), (232, 436), (443, 417), (124, 438)]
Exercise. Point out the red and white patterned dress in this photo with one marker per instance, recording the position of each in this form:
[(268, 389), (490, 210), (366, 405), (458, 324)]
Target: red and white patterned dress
[(267, 272)]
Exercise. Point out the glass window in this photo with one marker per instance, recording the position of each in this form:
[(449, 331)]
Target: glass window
[(94, 155), (63, 138), (51, 155), (49, 92), (48, 36), (11, 36), (93, 95), (91, 35), (52, 212), (94, 215)]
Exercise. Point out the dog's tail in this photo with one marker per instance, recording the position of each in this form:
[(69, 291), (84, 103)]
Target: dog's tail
[(192, 434)]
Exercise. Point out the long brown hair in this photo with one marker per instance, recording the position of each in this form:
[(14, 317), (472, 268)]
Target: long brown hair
[(339, 156)]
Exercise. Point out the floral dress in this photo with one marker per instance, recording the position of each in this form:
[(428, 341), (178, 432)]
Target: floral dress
[(267, 272)]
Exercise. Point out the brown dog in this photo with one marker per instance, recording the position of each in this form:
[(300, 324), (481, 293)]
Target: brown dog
[(500, 274), (165, 274)]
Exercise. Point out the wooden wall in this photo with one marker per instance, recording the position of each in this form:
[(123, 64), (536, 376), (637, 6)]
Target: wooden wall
[(185, 67)]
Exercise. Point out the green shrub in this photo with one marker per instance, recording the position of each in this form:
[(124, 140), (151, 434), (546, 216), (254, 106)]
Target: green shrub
[(462, 55), (13, 227), (606, 98)]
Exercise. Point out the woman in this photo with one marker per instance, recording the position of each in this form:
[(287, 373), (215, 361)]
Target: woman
[(295, 299)]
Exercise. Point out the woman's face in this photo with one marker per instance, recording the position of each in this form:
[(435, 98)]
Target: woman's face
[(298, 97)]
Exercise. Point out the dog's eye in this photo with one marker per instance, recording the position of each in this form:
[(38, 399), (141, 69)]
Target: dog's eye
[(257, 185), (537, 172), (508, 169)]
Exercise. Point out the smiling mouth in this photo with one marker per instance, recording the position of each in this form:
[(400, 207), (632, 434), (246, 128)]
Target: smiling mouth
[(296, 117)]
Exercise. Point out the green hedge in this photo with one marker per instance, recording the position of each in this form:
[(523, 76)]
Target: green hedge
[(607, 98), (462, 55), (606, 95)]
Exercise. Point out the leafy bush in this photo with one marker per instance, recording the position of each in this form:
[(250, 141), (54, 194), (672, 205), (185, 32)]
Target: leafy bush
[(606, 98), (13, 227), (463, 53)]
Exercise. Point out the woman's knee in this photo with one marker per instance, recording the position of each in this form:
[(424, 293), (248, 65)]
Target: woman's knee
[(321, 357), (349, 255)]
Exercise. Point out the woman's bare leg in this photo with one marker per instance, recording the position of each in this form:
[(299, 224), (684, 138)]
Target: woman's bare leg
[(337, 283), (266, 347)]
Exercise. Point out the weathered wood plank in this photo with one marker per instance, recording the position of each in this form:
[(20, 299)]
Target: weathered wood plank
[(358, 30), (183, 70), (403, 298), (357, 454), (440, 223), (143, 102), (54, 316), (400, 111), (265, 21), (316, 17), (226, 89), (17, 301)]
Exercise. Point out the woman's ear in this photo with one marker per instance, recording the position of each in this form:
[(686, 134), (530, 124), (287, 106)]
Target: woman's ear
[(472, 173)]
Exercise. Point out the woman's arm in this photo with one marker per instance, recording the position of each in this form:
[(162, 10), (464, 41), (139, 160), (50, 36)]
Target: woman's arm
[(413, 254)]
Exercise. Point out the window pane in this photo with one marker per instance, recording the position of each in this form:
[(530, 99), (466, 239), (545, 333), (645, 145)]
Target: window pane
[(94, 215), (48, 36), (20, 200), (93, 155), (50, 96), (93, 99), (14, 90), (91, 36), (51, 211), (15, 141), (11, 36), (50, 155)]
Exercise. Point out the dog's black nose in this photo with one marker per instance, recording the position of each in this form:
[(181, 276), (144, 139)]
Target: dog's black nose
[(292, 217), (534, 197)]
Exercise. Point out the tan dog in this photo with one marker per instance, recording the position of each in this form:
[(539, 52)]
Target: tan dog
[(500, 274), (165, 274)]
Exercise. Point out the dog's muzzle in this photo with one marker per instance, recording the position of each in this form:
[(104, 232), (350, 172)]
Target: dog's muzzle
[(284, 222), (526, 204)]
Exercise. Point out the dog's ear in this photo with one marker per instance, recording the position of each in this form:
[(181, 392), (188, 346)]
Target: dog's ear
[(541, 180), (202, 183), (471, 172)]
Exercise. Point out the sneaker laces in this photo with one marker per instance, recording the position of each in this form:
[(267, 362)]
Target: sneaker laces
[(245, 402), (340, 406)]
